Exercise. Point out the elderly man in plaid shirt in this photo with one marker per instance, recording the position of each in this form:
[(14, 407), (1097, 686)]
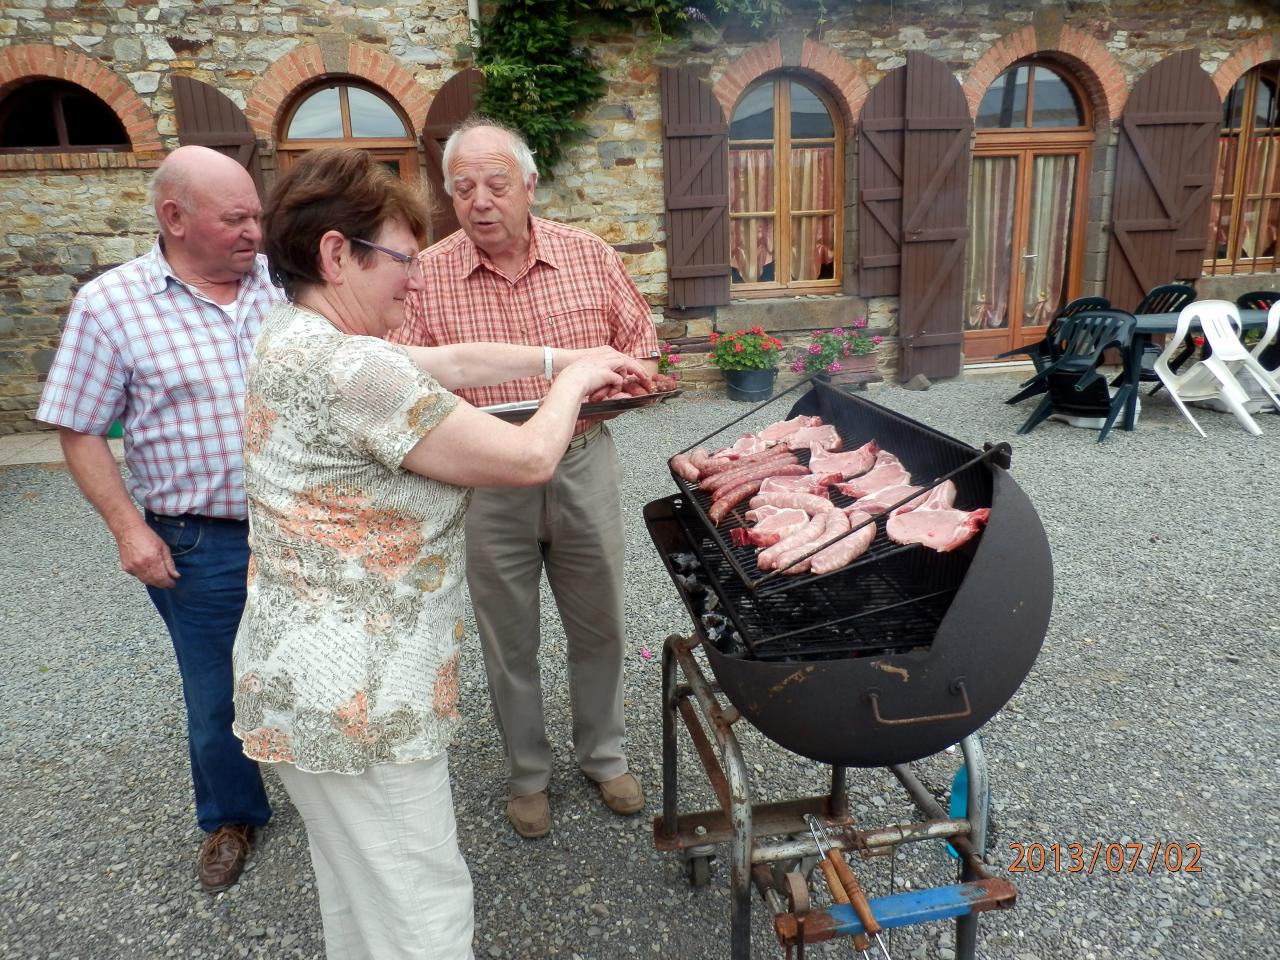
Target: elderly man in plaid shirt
[(162, 343), (508, 276)]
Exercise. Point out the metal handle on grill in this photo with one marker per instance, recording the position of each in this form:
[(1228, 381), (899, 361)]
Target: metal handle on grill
[(872, 696)]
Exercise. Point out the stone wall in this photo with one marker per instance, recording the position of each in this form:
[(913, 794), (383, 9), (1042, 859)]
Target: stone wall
[(64, 218)]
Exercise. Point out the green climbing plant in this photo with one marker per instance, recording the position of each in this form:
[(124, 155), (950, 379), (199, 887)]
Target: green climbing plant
[(540, 74)]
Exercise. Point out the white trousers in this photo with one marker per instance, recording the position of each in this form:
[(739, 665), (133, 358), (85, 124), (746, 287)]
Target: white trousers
[(384, 846)]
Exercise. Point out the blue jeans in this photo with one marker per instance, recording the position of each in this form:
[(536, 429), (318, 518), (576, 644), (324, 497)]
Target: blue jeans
[(202, 613)]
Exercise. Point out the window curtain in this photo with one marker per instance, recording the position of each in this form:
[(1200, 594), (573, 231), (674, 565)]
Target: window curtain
[(1049, 236), (812, 188), (751, 242), (991, 202)]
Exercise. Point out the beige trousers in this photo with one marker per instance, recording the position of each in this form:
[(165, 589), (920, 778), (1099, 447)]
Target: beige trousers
[(572, 529), (391, 880)]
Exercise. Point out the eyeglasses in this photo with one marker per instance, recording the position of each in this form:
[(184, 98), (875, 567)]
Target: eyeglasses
[(410, 262)]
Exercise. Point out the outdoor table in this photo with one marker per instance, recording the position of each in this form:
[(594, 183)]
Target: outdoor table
[(1152, 325)]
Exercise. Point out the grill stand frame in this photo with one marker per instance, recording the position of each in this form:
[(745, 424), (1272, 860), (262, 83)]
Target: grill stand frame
[(739, 822)]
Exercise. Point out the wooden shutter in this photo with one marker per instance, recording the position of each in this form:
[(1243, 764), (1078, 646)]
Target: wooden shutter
[(1164, 172), (935, 193), (696, 186), (208, 118), (880, 186), (453, 103)]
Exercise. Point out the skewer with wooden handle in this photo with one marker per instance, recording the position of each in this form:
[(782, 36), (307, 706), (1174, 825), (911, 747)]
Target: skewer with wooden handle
[(853, 890), (829, 872)]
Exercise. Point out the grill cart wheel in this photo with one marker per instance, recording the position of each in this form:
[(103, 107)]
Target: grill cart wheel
[(698, 868)]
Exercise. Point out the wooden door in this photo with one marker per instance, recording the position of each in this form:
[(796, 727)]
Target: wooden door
[(696, 186), (209, 118), (453, 103), (935, 191), (1026, 206), (1164, 174)]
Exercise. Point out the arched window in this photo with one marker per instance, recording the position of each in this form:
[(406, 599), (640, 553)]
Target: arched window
[(342, 114), (1245, 212), (56, 115), (786, 163), (1027, 199)]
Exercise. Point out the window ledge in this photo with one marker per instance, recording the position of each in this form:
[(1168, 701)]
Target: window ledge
[(95, 160), (784, 314)]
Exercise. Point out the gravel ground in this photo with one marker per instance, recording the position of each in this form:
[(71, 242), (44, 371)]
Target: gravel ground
[(1151, 715)]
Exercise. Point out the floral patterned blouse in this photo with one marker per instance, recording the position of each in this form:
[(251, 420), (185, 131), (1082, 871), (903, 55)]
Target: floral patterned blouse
[(347, 654)]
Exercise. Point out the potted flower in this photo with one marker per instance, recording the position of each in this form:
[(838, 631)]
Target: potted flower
[(840, 350), (749, 361), (668, 376)]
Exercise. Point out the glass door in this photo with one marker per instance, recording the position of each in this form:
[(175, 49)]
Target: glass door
[(1022, 214)]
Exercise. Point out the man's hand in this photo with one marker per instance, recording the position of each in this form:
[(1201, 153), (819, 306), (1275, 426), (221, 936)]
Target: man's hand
[(145, 556)]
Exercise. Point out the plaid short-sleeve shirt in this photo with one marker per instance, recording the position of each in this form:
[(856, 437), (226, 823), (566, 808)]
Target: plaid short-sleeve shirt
[(142, 347), (573, 292)]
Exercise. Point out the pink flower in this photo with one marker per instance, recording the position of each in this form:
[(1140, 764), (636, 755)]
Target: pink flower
[(646, 653), (834, 367), (815, 348), (673, 357), (838, 332), (859, 323), (877, 340), (797, 366)]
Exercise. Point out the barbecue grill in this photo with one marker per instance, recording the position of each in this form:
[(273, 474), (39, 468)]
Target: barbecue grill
[(893, 658)]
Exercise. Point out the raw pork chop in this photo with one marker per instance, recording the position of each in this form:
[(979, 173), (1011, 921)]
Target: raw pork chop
[(784, 428), (883, 499), (933, 521), (824, 436), (776, 526), (887, 472)]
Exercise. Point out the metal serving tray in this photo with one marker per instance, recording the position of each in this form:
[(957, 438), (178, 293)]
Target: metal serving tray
[(524, 409)]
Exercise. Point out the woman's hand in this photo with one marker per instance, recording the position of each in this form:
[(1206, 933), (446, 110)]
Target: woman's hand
[(604, 372)]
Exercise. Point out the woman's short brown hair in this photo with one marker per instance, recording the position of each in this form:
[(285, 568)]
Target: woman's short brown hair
[(333, 189)]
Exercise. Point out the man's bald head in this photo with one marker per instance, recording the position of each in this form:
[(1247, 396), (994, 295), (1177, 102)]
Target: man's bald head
[(209, 214)]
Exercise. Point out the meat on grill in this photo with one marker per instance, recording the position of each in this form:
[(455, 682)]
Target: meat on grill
[(682, 463), (809, 483), (848, 464), (784, 465), (774, 527), (784, 428), (723, 464), (887, 472), (844, 552), (795, 544), (933, 521), (883, 499), (824, 436), (800, 501)]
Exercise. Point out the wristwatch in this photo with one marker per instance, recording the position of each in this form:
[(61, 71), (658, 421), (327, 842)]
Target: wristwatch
[(547, 362)]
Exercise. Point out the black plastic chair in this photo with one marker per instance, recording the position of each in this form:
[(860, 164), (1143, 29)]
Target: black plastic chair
[(1262, 300), (1044, 352), (1258, 300), (1073, 385), (1166, 298)]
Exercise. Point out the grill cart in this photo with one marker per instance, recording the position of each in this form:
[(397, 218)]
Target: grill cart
[(893, 658)]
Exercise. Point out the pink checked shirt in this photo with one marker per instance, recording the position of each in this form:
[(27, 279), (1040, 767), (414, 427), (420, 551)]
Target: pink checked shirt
[(142, 347), (572, 292)]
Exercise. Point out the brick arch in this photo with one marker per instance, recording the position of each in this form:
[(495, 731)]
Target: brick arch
[(27, 60), (311, 62), (1091, 63), (816, 60), (1245, 59)]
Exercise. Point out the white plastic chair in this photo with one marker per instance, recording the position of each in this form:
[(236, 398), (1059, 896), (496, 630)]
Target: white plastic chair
[(1214, 378)]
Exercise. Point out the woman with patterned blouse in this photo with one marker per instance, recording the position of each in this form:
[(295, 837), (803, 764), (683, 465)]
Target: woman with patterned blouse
[(358, 464)]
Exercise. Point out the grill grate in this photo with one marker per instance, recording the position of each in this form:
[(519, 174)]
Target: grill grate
[(891, 599), (895, 605)]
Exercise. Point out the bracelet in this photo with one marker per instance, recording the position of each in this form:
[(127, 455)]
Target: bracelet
[(547, 362)]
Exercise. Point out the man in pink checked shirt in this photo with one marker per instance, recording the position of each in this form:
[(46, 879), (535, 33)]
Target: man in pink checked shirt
[(508, 276), (162, 343)]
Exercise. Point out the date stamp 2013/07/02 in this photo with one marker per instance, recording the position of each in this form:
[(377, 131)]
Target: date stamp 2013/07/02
[(1099, 856)]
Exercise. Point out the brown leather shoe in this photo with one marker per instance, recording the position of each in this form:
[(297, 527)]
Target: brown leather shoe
[(530, 815), (222, 856), (622, 794)]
